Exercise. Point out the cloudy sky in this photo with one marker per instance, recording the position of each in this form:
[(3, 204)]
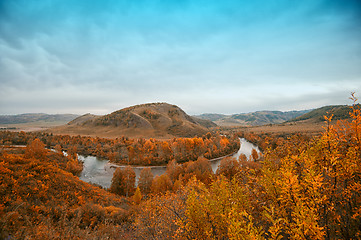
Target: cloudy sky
[(229, 56)]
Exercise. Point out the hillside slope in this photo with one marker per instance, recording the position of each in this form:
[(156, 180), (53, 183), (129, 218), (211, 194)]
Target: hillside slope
[(146, 120), (56, 119), (252, 119), (83, 118), (38, 198), (211, 116), (317, 115)]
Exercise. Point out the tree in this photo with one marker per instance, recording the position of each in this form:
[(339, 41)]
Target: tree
[(161, 184), (145, 180), (228, 167), (123, 181), (242, 157), (174, 170), (58, 149), (36, 149), (160, 217), (137, 197), (72, 152), (201, 169), (220, 211), (254, 155)]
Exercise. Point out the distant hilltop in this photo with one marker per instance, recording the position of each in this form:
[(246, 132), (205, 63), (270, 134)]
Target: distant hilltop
[(252, 119), (145, 120), (276, 117), (37, 118), (339, 112)]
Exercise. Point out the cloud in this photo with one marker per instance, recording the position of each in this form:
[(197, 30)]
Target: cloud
[(205, 56)]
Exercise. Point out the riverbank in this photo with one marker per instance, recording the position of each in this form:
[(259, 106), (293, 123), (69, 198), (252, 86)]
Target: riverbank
[(100, 171)]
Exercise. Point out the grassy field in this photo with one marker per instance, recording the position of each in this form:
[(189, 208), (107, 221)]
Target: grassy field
[(305, 127), (33, 126)]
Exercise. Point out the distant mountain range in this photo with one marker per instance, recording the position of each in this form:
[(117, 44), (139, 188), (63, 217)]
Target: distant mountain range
[(165, 120), (253, 118), (339, 112), (57, 119), (275, 117)]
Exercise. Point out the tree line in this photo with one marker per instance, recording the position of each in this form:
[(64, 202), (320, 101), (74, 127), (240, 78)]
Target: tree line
[(124, 150)]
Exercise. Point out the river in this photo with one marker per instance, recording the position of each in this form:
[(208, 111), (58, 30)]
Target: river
[(100, 171)]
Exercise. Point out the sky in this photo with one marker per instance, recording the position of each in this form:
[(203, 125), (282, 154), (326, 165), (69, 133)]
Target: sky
[(205, 56)]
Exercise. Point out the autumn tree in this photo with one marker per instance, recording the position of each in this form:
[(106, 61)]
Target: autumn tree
[(145, 180), (254, 155), (137, 197), (220, 211), (201, 169), (174, 170), (36, 149), (123, 181), (242, 157), (160, 217), (161, 184), (58, 149), (228, 167), (73, 151)]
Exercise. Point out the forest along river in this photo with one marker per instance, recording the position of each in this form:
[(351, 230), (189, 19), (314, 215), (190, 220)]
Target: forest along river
[(100, 171)]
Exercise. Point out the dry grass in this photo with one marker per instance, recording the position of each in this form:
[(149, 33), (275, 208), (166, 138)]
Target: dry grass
[(107, 132), (31, 127), (305, 127)]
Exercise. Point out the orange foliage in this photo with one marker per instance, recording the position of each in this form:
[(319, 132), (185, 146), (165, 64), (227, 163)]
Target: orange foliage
[(40, 199), (131, 151), (145, 180), (123, 181), (161, 184)]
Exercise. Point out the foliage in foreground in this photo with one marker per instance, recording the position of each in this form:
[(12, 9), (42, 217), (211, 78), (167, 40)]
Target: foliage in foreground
[(40, 198), (304, 190)]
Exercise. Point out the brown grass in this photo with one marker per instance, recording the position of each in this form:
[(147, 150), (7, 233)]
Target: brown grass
[(305, 127), (108, 132)]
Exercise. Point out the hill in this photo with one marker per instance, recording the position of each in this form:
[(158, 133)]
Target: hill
[(80, 120), (146, 120), (311, 123), (204, 122), (55, 119), (211, 116), (252, 119), (317, 115)]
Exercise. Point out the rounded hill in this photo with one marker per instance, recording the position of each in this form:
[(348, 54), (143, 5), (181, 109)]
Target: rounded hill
[(145, 120)]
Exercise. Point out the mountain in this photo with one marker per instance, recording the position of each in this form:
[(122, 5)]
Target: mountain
[(145, 120), (317, 115), (211, 116), (252, 119), (37, 118), (80, 120), (204, 122)]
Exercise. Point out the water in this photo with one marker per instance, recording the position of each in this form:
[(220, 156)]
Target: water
[(245, 148), (94, 171), (100, 171)]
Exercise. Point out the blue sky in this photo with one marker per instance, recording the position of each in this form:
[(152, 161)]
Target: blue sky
[(79, 56)]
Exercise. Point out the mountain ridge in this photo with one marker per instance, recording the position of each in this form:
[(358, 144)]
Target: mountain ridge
[(36, 117), (253, 118), (339, 112)]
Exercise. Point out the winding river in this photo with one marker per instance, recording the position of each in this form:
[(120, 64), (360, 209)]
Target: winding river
[(100, 171)]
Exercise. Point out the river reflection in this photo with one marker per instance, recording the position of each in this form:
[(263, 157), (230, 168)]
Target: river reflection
[(94, 171), (100, 171)]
